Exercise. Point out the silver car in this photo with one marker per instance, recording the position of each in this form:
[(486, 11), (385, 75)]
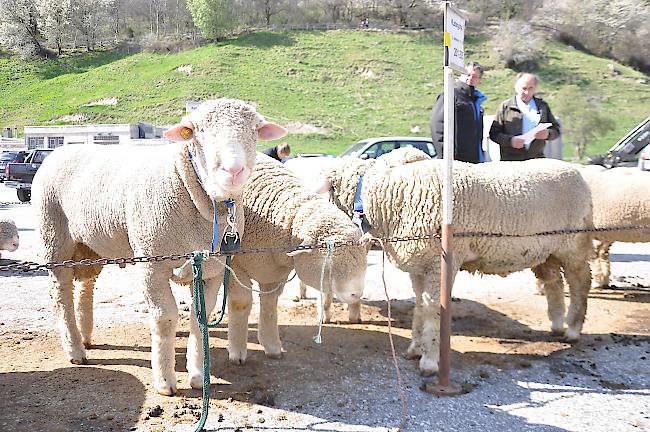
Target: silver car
[(371, 148)]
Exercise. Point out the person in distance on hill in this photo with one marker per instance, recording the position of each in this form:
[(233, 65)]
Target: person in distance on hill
[(519, 115), (468, 113)]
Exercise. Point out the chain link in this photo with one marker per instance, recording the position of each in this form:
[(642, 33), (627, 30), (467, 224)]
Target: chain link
[(15, 202), (28, 266)]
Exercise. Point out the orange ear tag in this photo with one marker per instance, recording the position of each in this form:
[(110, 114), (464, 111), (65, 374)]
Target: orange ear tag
[(185, 133)]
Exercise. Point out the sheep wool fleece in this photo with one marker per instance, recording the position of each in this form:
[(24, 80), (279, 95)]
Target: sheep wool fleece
[(510, 198), (121, 201), (279, 211), (621, 197)]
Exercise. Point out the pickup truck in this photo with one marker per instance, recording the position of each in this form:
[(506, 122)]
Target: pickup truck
[(19, 176)]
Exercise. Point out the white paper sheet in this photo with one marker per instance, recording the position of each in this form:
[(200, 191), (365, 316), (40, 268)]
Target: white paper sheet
[(530, 135)]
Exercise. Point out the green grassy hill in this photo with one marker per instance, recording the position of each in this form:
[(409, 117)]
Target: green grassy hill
[(340, 86)]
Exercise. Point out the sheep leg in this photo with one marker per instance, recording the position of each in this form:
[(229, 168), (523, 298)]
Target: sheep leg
[(600, 265), (268, 333), (163, 317), (84, 309), (328, 298), (303, 290), (414, 350), (551, 279), (354, 313), (430, 336), (195, 341), (578, 277), (240, 301), (62, 294)]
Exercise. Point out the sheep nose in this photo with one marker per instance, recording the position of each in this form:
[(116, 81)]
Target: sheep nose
[(234, 170)]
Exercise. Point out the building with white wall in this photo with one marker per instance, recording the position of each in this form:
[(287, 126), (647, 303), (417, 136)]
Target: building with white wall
[(56, 136)]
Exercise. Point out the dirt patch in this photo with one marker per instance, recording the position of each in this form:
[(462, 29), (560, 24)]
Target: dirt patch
[(114, 392)]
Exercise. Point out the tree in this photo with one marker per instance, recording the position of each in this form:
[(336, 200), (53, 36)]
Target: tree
[(19, 28), (581, 119), (56, 18), (215, 18), (517, 45), (88, 19), (268, 9)]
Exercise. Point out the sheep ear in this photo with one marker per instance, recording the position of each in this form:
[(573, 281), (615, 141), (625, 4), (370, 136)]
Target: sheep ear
[(183, 131), (320, 187), (269, 131)]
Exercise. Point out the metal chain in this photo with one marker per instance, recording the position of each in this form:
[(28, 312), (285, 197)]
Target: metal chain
[(15, 202), (28, 266)]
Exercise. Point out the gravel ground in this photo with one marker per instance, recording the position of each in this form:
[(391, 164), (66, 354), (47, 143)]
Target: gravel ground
[(517, 376)]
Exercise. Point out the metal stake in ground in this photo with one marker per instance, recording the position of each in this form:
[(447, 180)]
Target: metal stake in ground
[(454, 34)]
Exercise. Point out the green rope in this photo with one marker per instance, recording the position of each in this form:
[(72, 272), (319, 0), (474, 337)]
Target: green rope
[(327, 260), (201, 317)]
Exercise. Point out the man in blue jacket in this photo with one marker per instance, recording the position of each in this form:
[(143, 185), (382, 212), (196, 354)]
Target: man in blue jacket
[(468, 113)]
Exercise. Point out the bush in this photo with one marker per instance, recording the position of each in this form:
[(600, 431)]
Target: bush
[(517, 46), (582, 120)]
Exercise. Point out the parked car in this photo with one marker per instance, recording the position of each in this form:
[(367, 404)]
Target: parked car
[(10, 157), (371, 148), (644, 159), (20, 175), (309, 155)]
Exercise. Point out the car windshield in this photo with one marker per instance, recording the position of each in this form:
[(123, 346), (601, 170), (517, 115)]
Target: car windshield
[(8, 156), (354, 148)]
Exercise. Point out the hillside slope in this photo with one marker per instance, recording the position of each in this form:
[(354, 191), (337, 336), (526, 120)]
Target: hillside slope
[(332, 88)]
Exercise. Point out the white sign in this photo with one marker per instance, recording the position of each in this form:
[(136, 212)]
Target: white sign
[(454, 38)]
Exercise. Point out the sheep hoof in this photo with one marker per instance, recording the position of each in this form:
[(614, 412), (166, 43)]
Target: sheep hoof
[(237, 360), (166, 391), (355, 321), (413, 352), (428, 367), (274, 355), (196, 382), (88, 345), (572, 335), (559, 331), (81, 361)]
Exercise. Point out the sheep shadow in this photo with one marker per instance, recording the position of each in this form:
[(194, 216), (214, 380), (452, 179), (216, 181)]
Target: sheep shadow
[(70, 398), (350, 377)]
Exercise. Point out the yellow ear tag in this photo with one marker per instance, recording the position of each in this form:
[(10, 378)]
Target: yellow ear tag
[(185, 133)]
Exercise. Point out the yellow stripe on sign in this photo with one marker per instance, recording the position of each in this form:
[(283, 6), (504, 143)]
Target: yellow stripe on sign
[(447, 38)]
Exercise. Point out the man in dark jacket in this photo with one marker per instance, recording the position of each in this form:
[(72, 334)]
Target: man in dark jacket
[(519, 115), (468, 127)]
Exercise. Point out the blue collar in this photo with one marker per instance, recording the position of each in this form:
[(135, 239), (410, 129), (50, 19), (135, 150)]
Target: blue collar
[(230, 241), (358, 217)]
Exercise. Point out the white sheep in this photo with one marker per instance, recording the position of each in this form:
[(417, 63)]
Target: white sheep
[(310, 171), (279, 211), (621, 197), (115, 201), (512, 198), (9, 239)]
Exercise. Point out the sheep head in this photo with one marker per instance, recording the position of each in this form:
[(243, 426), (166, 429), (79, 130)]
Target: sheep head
[(9, 239), (315, 224), (222, 136)]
